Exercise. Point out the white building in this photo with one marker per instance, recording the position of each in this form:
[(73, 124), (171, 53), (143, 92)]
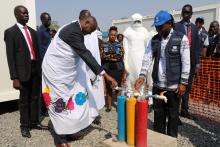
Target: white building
[(209, 12), (7, 16)]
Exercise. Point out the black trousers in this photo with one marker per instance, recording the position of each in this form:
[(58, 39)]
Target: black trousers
[(59, 139), (42, 106), (29, 99), (163, 110), (117, 75), (185, 97)]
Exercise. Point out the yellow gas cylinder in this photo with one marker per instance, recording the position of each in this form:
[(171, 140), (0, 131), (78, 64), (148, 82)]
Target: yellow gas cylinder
[(130, 116)]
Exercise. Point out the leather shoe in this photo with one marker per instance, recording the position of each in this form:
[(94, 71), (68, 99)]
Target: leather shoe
[(25, 132), (108, 109), (63, 145), (97, 120), (39, 126), (187, 115), (179, 122)]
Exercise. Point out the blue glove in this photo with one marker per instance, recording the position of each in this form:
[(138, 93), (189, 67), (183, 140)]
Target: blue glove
[(196, 72)]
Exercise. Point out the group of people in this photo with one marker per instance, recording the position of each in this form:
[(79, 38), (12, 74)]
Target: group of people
[(72, 70)]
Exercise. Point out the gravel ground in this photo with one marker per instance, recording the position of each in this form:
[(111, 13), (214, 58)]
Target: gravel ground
[(201, 133)]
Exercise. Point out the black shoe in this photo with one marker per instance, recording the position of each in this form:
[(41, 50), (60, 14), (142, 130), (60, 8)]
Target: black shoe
[(97, 120), (187, 115), (45, 114), (191, 117), (108, 109), (38, 126), (150, 109), (25, 132), (179, 122)]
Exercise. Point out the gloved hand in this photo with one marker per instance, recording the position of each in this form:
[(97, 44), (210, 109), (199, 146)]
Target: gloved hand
[(196, 70)]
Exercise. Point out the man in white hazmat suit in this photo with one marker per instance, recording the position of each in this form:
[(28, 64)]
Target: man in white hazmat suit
[(136, 37)]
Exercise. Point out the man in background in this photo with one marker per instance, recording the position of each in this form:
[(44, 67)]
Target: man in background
[(214, 38), (189, 29), (91, 42), (44, 38), (24, 67), (43, 33), (203, 36), (136, 37), (120, 38)]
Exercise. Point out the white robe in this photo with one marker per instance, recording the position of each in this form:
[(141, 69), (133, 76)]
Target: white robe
[(135, 41), (91, 43), (65, 75)]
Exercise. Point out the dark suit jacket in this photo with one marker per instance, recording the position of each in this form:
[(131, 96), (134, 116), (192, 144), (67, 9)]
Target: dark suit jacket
[(195, 47), (73, 36), (214, 46), (18, 54)]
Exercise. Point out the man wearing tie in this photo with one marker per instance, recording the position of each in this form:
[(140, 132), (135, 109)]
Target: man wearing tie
[(23, 62), (189, 29)]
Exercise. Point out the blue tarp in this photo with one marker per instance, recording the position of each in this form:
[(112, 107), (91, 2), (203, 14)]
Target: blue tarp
[(104, 34)]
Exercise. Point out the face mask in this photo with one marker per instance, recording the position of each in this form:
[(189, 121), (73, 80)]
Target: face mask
[(137, 24), (136, 20)]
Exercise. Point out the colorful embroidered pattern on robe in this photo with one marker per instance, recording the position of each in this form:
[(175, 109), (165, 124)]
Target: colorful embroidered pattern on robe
[(46, 96), (59, 105), (81, 98)]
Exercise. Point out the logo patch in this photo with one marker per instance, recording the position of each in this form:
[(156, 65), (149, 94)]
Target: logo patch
[(157, 19), (174, 49)]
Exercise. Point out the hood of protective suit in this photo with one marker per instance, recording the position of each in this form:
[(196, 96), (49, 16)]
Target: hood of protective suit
[(137, 20)]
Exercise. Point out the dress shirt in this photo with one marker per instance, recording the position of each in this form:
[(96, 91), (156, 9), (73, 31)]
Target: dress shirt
[(21, 27)]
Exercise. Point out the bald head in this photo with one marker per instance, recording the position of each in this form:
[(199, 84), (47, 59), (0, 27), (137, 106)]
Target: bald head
[(21, 14), (84, 14), (88, 25)]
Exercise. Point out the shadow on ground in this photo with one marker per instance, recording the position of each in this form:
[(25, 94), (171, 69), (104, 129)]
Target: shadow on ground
[(8, 107), (204, 133)]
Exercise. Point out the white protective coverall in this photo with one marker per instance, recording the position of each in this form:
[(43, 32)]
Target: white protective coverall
[(136, 38)]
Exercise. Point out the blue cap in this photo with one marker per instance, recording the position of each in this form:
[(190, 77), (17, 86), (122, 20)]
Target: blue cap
[(161, 18), (202, 18)]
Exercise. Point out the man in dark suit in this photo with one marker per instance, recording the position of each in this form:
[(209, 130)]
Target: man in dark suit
[(190, 30), (22, 55)]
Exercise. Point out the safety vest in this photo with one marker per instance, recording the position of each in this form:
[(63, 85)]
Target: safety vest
[(173, 58)]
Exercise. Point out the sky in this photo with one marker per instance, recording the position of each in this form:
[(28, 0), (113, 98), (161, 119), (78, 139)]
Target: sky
[(64, 11)]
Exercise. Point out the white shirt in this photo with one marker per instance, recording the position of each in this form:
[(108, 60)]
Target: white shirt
[(21, 27), (185, 60), (206, 42)]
